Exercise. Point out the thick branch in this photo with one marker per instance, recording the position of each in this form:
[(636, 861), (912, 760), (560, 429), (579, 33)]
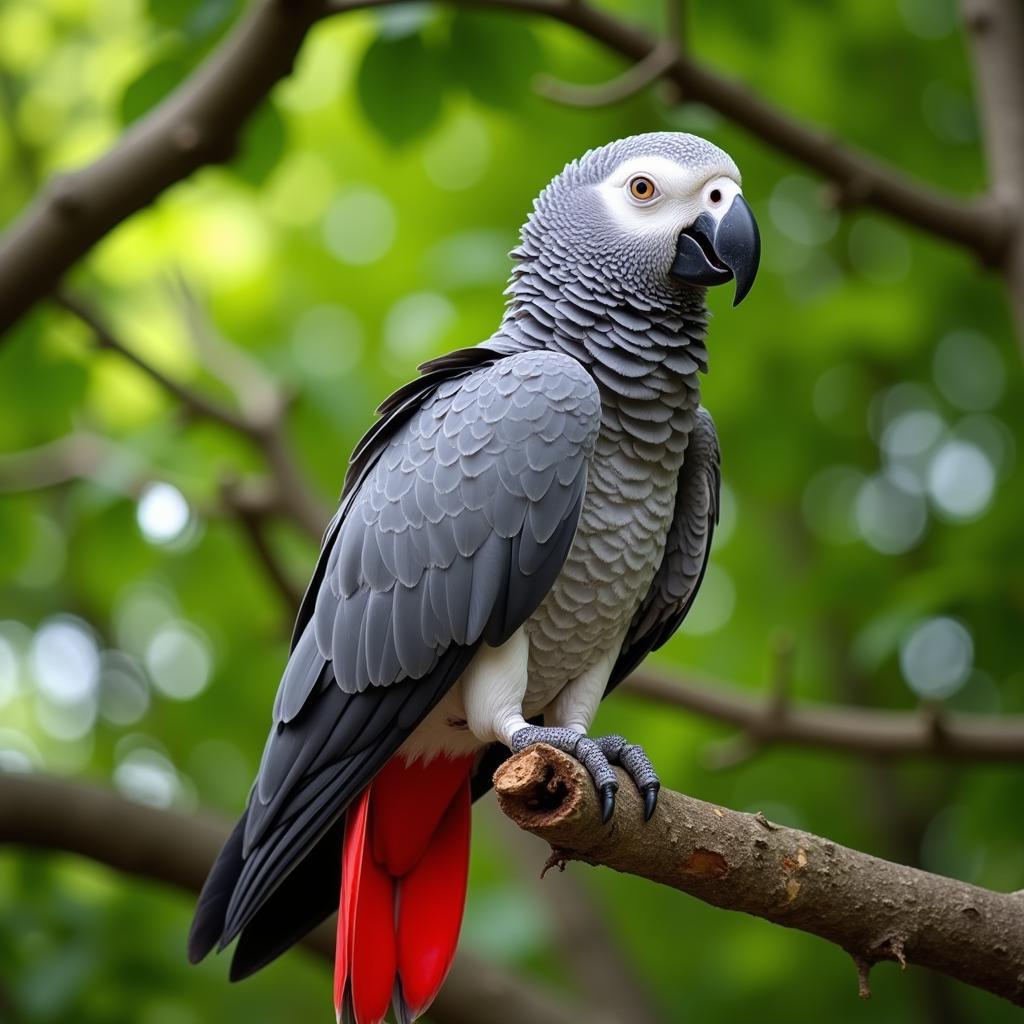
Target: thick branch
[(873, 909), (198, 124), (948, 734), (178, 849)]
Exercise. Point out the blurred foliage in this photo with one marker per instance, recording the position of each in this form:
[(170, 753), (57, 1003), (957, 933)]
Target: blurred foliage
[(868, 395)]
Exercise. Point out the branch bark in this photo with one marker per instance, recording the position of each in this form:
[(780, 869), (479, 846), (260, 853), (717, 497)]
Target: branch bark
[(926, 732), (873, 909), (178, 849)]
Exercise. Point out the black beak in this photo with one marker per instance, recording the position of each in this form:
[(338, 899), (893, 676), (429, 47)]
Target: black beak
[(713, 253)]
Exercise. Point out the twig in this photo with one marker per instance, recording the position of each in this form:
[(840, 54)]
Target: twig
[(75, 456), (253, 517), (194, 401), (840, 727), (873, 909), (262, 427), (257, 393), (178, 849), (633, 80)]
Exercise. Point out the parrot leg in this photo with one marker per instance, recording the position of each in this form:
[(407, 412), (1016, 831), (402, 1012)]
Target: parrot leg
[(597, 756)]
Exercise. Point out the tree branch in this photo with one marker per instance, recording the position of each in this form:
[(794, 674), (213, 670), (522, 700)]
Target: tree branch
[(199, 123), (262, 424), (178, 849), (927, 732), (860, 179), (995, 32), (75, 456), (873, 909), (633, 80)]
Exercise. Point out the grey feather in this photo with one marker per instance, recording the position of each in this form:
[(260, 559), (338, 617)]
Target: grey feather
[(687, 548)]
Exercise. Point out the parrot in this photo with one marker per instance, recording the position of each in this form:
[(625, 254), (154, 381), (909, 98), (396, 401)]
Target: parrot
[(523, 523)]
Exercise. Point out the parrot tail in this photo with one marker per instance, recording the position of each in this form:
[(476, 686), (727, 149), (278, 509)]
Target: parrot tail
[(405, 859)]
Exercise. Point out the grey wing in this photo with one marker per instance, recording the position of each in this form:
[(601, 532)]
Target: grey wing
[(452, 537), (687, 547)]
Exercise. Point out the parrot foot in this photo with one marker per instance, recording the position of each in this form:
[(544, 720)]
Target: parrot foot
[(598, 756)]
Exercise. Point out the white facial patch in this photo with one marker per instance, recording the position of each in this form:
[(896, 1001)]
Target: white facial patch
[(683, 194)]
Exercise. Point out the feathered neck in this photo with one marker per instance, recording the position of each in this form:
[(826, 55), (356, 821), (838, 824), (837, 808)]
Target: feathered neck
[(638, 347)]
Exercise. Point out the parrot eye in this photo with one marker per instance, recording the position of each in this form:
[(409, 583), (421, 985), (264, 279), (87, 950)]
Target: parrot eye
[(715, 195), (642, 189)]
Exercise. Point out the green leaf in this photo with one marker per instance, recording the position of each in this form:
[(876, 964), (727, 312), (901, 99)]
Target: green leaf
[(400, 87), (262, 143), (493, 58), (156, 82)]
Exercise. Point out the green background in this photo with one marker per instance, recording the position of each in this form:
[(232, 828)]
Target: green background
[(868, 397)]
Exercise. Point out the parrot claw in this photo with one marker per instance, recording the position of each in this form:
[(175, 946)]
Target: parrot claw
[(650, 799), (598, 756), (607, 794)]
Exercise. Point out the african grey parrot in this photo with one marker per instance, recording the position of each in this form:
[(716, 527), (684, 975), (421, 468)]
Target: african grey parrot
[(523, 524)]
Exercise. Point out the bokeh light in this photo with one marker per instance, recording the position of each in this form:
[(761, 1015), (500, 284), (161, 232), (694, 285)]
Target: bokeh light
[(961, 481), (147, 776), (179, 660), (936, 657), (796, 210), (162, 513), (65, 661), (457, 156), (124, 691), (891, 514)]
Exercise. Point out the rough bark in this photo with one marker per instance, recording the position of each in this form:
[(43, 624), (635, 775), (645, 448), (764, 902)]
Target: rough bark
[(178, 849), (873, 909)]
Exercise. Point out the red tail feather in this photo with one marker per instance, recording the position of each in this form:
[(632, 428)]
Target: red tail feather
[(404, 867)]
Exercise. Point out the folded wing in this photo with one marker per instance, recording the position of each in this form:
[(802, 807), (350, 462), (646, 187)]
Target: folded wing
[(460, 508)]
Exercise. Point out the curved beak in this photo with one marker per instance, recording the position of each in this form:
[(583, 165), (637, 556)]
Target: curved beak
[(713, 252)]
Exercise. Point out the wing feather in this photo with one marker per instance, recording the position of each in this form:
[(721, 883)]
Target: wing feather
[(449, 534)]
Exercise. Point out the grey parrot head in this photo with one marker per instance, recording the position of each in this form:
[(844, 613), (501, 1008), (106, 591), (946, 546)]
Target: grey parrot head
[(654, 215)]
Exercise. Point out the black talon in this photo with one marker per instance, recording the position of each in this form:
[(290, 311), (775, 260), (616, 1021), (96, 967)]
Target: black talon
[(650, 799), (607, 793)]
